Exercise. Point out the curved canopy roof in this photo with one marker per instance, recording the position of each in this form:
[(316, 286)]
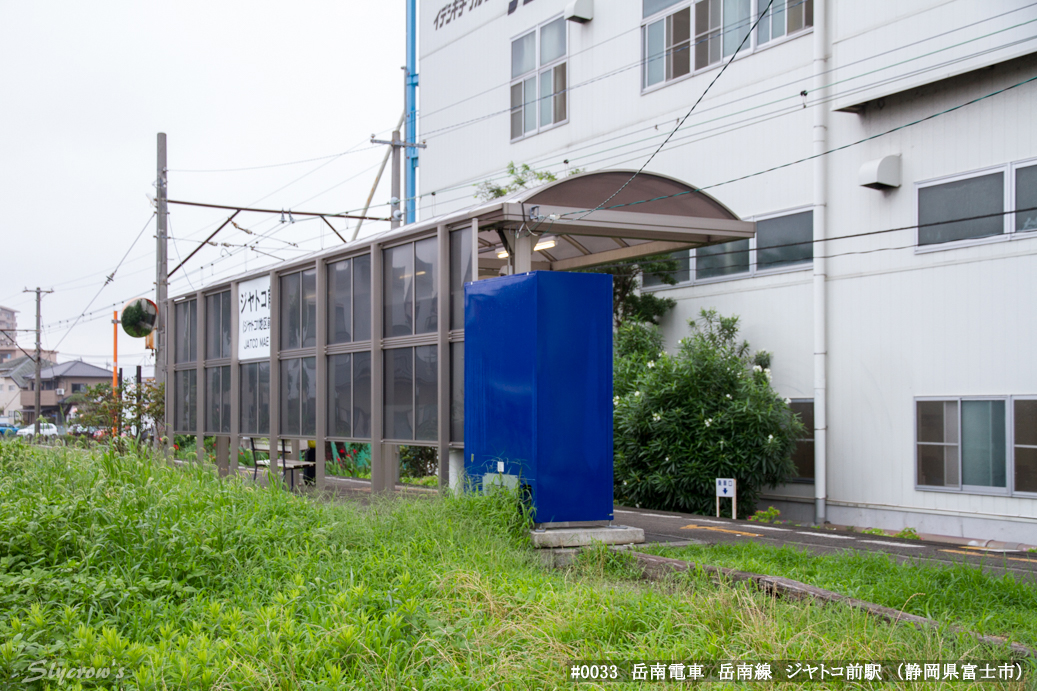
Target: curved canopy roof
[(643, 215)]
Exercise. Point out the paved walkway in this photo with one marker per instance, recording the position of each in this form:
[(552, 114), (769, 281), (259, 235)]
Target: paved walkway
[(662, 527)]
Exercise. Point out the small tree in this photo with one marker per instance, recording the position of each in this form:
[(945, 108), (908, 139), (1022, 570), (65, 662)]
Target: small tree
[(133, 407), (519, 178), (682, 421)]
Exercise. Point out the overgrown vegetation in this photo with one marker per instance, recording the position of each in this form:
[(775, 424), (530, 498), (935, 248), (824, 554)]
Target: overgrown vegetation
[(186, 581), (708, 411), (953, 593)]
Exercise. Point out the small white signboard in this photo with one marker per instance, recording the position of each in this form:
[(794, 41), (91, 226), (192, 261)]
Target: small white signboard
[(254, 318), (726, 487)]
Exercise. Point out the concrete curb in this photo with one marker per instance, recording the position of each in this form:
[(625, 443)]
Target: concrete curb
[(658, 568)]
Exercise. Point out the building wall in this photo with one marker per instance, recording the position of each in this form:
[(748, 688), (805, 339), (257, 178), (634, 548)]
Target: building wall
[(903, 322)]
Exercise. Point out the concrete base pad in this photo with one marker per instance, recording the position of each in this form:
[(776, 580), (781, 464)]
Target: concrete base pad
[(582, 537)]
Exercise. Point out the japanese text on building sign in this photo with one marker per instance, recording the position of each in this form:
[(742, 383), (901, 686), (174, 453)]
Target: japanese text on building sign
[(453, 11)]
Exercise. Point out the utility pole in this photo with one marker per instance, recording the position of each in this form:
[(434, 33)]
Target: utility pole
[(397, 144), (38, 385), (161, 278)]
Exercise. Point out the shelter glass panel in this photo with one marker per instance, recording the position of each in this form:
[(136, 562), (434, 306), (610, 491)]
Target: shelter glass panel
[(457, 391), (217, 399), (217, 326), (460, 273), (399, 393), (399, 290), (255, 398), (426, 393), (340, 301), (185, 401), (722, 260), (299, 397), (785, 240), (185, 338), (426, 285), (362, 298), (340, 399), (299, 310), (362, 395), (291, 314)]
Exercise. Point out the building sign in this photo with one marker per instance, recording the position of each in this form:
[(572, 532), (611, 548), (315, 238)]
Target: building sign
[(455, 9), (254, 318)]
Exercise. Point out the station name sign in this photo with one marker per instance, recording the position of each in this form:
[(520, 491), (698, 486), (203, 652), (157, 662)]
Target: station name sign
[(254, 318), (455, 9)]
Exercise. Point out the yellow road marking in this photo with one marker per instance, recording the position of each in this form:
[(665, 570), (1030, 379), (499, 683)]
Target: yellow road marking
[(974, 554), (720, 530)]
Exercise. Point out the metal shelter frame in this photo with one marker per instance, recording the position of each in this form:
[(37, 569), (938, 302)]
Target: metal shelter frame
[(653, 215)]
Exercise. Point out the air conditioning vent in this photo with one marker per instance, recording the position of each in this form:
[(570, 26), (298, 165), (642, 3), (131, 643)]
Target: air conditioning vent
[(60, 392)]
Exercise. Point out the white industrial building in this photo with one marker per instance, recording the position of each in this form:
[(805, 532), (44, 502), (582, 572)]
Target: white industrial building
[(855, 135)]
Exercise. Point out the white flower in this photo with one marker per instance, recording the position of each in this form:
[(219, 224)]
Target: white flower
[(788, 401), (770, 437), (709, 422), (656, 417), (637, 393), (757, 368), (651, 364), (768, 373), (667, 459), (615, 400), (662, 354), (721, 443), (729, 395)]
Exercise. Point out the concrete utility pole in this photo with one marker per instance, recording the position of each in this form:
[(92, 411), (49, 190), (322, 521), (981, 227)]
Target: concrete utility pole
[(397, 144), (161, 278), (38, 384)]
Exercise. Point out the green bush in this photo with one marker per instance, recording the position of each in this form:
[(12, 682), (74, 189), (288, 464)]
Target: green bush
[(682, 421)]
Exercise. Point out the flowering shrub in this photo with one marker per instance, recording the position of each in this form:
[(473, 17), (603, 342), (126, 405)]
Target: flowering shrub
[(683, 420)]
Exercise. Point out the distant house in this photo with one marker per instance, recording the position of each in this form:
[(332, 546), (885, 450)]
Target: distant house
[(14, 377), (58, 383)]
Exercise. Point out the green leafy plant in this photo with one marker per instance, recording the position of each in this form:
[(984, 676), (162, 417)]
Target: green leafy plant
[(682, 421), (874, 531), (908, 533), (767, 516)]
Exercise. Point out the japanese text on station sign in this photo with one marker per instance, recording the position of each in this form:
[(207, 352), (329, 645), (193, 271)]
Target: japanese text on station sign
[(254, 318)]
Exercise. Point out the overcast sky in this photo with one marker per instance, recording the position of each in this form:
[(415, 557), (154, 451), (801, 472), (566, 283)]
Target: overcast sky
[(85, 87)]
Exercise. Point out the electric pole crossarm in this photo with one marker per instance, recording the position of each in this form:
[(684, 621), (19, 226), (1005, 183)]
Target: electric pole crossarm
[(204, 243), (333, 229), (274, 211)]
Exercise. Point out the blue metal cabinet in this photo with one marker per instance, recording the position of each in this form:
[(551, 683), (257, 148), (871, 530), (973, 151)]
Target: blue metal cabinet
[(538, 390)]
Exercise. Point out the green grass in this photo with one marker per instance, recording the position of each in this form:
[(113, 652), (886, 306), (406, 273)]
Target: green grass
[(958, 593), (191, 582)]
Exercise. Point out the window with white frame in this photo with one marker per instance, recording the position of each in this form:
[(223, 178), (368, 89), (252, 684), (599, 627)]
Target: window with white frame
[(977, 444), (988, 204), (539, 79), (681, 36), (784, 242), (961, 209), (1025, 206)]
